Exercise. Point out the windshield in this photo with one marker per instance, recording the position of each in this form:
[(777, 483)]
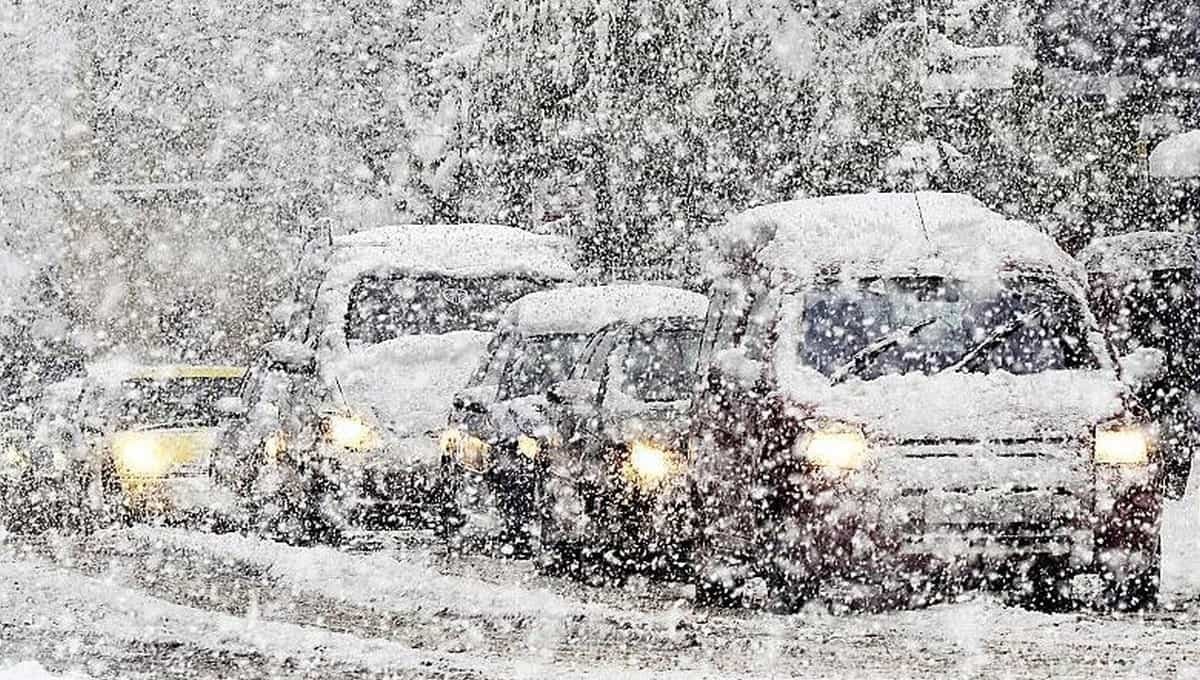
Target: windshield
[(383, 307), (181, 401), (925, 325), (660, 366), (540, 361)]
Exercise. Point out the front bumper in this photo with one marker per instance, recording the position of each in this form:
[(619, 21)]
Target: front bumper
[(952, 511), (396, 484), (177, 493), (499, 501), (606, 513)]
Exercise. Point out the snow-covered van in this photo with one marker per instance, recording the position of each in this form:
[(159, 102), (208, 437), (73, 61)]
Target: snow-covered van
[(342, 417), (900, 383), (1144, 289), (152, 430), (614, 497), (498, 429)]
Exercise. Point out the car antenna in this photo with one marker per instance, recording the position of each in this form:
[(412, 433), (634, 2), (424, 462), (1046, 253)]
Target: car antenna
[(921, 215), (338, 383)]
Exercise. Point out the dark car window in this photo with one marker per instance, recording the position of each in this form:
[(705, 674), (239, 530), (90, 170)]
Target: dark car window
[(1161, 311), (182, 400), (839, 322), (593, 361), (538, 362), (660, 363), (383, 307)]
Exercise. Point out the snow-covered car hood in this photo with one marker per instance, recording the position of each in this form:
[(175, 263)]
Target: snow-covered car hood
[(405, 385), (521, 416), (963, 406)]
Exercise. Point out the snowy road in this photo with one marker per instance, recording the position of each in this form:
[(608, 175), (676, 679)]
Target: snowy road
[(149, 602)]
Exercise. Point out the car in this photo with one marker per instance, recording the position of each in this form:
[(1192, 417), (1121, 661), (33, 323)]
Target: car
[(152, 430), (343, 410), (904, 386), (614, 497), (498, 427), (1144, 289)]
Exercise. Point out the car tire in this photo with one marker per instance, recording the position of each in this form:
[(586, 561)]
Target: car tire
[(1138, 591), (294, 514), (1045, 586)]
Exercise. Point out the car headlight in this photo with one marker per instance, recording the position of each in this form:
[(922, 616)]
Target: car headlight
[(834, 447), (13, 460), (349, 432), (274, 446), (1121, 445), (470, 451), (528, 446), (649, 465), (138, 455)]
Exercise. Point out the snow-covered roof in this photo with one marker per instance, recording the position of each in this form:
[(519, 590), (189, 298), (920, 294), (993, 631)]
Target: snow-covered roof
[(889, 234), (959, 68), (1140, 252), (587, 309), (1177, 156), (462, 250), (118, 370)]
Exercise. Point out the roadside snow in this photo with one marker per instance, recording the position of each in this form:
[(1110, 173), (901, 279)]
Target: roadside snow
[(32, 670)]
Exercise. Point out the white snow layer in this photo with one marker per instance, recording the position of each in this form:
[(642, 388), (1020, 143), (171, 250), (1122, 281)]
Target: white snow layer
[(453, 250), (406, 384), (958, 68), (32, 670), (1177, 156), (589, 308), (1138, 253), (951, 235)]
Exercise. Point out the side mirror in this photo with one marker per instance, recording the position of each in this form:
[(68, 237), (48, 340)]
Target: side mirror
[(1142, 367), (231, 406), (468, 404), (291, 356), (573, 392)]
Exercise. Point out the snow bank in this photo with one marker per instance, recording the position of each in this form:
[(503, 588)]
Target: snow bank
[(882, 234), (1138, 253), (32, 670), (587, 309), (1177, 156)]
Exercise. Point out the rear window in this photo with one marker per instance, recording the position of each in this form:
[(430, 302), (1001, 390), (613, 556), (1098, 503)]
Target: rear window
[(383, 307)]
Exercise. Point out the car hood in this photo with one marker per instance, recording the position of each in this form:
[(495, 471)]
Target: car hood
[(406, 385), (963, 406), (524, 415)]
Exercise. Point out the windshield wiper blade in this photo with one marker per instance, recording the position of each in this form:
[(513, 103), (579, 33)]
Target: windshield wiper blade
[(997, 335), (863, 356)]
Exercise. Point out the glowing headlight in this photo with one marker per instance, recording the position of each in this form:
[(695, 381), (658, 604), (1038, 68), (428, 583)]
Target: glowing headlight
[(449, 439), (139, 456), (649, 465), (348, 432), (274, 446), (528, 446), (13, 460), (843, 449), (1121, 446)]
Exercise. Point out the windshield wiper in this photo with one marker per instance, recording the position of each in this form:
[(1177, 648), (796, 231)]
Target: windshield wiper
[(863, 356), (997, 335)]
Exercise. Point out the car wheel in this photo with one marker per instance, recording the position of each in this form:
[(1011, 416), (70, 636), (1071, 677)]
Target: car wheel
[(719, 579), (1138, 590), (1045, 585), (294, 513)]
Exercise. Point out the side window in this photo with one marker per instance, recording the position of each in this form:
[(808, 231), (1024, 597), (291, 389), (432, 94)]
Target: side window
[(491, 366), (659, 363), (725, 320), (594, 365)]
